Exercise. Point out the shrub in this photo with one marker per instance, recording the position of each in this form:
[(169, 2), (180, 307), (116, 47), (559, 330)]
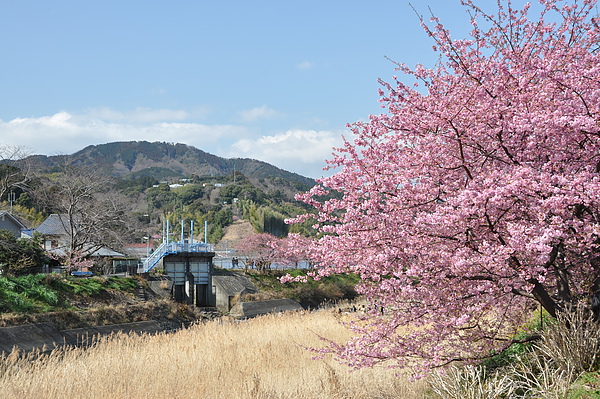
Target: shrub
[(535, 376), (26, 293), (573, 342), (568, 348), (471, 382)]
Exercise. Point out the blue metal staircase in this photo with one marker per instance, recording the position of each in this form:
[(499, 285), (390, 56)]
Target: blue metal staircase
[(172, 248)]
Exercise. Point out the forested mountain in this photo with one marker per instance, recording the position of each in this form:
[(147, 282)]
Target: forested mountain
[(166, 161), (134, 187)]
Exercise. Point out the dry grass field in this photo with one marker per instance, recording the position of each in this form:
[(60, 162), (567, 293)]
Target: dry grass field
[(258, 358)]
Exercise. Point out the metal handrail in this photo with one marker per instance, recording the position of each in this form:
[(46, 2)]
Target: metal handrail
[(173, 248), (153, 259)]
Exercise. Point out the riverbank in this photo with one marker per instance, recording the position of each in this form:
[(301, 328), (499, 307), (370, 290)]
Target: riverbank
[(264, 357)]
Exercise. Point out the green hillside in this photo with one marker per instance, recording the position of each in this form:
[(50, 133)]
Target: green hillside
[(131, 189), (170, 161)]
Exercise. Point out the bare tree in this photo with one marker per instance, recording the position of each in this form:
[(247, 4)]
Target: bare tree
[(15, 170), (91, 214)]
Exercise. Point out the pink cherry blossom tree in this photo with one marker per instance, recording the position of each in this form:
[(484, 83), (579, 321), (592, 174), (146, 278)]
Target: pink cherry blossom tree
[(258, 251), (475, 197), (292, 250), (73, 260)]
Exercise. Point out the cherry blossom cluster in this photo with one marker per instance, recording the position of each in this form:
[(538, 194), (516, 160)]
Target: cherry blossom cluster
[(475, 197)]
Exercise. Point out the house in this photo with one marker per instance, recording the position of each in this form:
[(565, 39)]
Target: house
[(54, 230), (138, 250), (57, 238), (11, 223)]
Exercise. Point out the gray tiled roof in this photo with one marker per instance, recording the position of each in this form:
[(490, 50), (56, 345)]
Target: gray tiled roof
[(54, 225), (107, 252), (234, 284), (13, 218)]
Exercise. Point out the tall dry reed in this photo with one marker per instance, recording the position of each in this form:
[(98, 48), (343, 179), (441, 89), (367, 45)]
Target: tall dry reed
[(258, 358)]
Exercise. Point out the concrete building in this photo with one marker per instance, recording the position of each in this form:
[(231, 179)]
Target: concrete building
[(228, 287), (191, 272)]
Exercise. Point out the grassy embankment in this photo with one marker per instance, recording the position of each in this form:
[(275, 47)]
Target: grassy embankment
[(311, 294), (80, 302), (50, 292)]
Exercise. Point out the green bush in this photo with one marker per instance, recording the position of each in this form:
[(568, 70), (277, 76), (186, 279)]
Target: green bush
[(26, 293), (587, 386), (311, 294), (12, 301), (20, 254), (563, 363), (539, 322)]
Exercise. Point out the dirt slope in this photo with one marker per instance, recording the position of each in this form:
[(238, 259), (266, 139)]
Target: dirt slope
[(235, 233)]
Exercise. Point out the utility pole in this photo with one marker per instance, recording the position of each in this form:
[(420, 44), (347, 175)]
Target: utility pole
[(11, 199)]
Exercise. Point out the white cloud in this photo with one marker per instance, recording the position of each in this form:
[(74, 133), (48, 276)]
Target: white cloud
[(66, 133), (300, 151), (258, 113), (59, 120), (305, 65)]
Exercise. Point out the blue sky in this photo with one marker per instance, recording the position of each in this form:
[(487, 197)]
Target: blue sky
[(271, 80)]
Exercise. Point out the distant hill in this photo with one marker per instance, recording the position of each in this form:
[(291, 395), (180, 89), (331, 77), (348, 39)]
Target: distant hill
[(134, 159)]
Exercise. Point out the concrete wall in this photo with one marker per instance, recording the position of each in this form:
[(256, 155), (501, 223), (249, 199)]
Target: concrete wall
[(45, 336), (223, 301), (252, 309), (30, 336)]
